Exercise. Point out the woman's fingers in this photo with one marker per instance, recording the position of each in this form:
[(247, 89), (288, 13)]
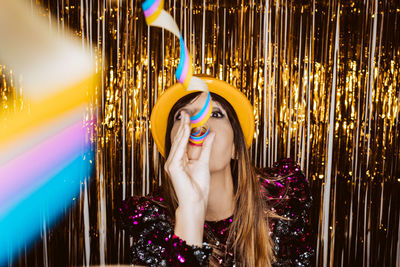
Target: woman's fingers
[(177, 137), (181, 143), (180, 140)]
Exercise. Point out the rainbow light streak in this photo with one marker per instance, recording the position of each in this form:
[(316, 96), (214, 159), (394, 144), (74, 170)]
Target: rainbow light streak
[(41, 208), (39, 164), (39, 183), (44, 150), (40, 177)]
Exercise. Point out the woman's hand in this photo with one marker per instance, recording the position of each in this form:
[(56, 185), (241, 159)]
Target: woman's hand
[(190, 177), (191, 181)]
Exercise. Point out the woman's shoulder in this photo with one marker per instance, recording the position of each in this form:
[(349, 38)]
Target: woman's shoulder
[(286, 191), (284, 184)]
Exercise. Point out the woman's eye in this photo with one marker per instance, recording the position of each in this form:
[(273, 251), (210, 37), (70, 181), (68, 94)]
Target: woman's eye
[(217, 114), (214, 114)]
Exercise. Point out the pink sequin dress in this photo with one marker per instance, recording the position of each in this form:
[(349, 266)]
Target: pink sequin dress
[(286, 192)]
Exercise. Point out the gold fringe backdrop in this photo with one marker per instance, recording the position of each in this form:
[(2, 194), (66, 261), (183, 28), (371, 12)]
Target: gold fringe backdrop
[(324, 80)]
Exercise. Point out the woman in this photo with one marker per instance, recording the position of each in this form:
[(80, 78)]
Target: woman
[(214, 208)]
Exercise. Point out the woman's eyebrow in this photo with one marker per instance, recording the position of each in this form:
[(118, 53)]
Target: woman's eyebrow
[(218, 107)]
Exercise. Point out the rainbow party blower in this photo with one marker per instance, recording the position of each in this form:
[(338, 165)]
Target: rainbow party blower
[(45, 154), (199, 127), (156, 16)]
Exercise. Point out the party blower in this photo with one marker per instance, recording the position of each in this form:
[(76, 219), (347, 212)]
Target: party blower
[(156, 16)]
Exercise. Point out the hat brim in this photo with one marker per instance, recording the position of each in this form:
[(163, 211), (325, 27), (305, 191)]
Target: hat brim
[(164, 104)]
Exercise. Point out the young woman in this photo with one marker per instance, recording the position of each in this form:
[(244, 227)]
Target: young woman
[(214, 208)]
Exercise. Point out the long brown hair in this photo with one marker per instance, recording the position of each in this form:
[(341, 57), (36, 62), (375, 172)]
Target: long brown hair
[(249, 237)]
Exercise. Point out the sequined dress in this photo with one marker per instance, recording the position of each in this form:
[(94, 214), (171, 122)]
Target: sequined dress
[(154, 242)]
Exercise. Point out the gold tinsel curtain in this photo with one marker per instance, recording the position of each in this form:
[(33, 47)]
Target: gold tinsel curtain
[(324, 79)]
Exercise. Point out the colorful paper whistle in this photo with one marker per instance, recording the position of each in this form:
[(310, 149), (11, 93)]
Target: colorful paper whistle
[(198, 138), (199, 127)]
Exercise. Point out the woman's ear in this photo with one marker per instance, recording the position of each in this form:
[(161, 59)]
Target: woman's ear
[(233, 156)]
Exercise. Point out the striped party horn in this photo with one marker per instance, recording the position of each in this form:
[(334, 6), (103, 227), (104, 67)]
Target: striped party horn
[(198, 123), (197, 138), (156, 16)]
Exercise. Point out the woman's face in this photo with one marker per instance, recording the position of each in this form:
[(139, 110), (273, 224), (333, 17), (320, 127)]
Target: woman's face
[(223, 146)]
